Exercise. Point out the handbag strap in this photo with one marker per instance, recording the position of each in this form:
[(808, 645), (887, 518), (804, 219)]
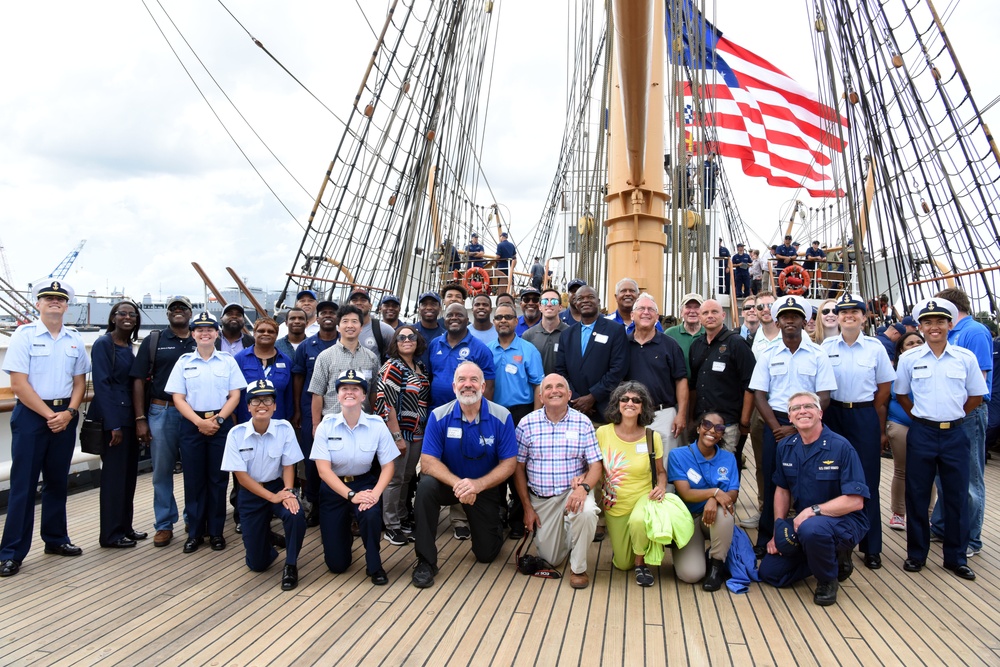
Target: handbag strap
[(523, 545), (652, 453)]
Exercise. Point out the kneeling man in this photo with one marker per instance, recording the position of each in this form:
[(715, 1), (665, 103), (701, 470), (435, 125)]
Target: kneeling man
[(823, 473), (262, 453), (558, 464), (468, 454)]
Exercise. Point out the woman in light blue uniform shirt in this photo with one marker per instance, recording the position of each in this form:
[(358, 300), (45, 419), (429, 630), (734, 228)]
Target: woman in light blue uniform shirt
[(206, 386)]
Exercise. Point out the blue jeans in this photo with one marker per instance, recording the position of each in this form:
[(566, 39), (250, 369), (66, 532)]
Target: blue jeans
[(164, 451), (974, 426)]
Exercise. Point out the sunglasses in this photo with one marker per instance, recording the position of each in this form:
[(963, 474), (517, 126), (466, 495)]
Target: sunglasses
[(750, 307), (709, 426), (529, 299), (763, 306), (631, 399), (406, 338), (264, 400), (827, 311), (504, 317), (549, 302)]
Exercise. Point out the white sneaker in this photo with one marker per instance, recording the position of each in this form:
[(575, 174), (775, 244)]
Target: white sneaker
[(971, 551), (897, 522), (751, 522)]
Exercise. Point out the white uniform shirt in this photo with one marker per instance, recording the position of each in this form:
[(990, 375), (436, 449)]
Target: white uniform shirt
[(261, 455), (205, 383), (781, 373), (50, 363), (939, 385), (859, 368), (351, 451)]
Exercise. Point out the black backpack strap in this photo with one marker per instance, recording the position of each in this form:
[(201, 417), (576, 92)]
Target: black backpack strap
[(154, 341), (379, 340), (652, 454)]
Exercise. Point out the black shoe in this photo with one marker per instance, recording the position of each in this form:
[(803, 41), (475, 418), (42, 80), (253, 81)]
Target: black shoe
[(8, 568), (760, 552), (178, 468), (289, 577), (963, 571), (599, 534), (873, 561), (713, 580), (643, 576), (278, 540), (913, 565), (380, 578), (462, 533), (395, 537), (218, 542), (826, 593), (136, 535), (845, 566), (312, 519), (239, 528), (123, 543), (192, 544), (63, 550), (355, 529), (423, 574), (517, 531)]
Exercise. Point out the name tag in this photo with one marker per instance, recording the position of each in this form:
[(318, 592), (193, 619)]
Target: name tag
[(571, 435), (718, 366), (511, 368), (280, 364), (601, 338), (555, 348), (641, 448), (454, 432), (693, 475)]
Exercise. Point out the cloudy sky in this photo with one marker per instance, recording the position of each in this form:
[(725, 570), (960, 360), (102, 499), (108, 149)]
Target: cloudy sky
[(103, 137)]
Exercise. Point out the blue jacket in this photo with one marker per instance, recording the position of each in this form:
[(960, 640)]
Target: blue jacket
[(742, 562), (112, 400), (280, 374)]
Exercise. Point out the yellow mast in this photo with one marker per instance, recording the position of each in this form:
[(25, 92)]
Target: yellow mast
[(636, 198)]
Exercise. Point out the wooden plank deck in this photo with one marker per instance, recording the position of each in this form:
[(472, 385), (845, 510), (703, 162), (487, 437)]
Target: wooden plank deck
[(148, 606)]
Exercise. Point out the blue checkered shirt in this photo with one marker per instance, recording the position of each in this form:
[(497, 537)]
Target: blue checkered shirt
[(555, 453)]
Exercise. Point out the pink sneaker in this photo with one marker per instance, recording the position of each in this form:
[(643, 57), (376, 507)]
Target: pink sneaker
[(897, 522)]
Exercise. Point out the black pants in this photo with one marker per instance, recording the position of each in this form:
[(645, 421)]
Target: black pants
[(484, 520), (515, 510), (119, 469)]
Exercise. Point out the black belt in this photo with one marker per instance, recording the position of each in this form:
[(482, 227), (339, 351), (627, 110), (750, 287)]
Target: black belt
[(944, 426), (848, 406), (782, 415), (206, 415), (544, 497), (347, 479), (57, 402)]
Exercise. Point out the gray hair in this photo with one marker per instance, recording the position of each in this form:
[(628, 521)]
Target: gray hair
[(468, 363), (811, 395), (618, 285), (649, 297)]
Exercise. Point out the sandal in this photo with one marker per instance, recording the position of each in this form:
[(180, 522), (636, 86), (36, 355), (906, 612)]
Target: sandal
[(643, 576)]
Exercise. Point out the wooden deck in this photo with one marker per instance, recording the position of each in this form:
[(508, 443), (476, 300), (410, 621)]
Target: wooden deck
[(148, 606)]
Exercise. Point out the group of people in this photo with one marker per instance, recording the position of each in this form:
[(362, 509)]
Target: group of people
[(564, 423), (748, 267)]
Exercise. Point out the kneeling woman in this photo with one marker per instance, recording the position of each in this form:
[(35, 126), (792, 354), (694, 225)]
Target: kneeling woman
[(705, 477), (262, 453), (344, 448), (628, 477), (206, 386)]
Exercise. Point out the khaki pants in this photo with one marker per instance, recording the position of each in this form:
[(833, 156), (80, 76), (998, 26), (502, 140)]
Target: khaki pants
[(560, 534), (689, 562)]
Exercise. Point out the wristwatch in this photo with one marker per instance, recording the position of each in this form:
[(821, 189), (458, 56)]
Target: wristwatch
[(351, 494), (816, 510), (73, 412), (220, 420), (586, 487)]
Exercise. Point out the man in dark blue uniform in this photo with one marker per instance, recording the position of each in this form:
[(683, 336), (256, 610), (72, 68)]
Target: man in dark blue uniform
[(741, 271), (784, 256), (48, 366), (475, 251), (506, 260), (571, 315), (302, 372), (814, 256), (724, 255), (821, 472)]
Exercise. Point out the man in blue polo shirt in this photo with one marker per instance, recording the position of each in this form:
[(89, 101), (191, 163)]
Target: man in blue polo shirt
[(474, 251), (447, 352), (469, 450)]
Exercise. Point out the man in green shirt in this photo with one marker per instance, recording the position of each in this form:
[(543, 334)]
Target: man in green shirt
[(690, 326)]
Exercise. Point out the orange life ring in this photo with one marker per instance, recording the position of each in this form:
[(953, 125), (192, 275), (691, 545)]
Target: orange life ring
[(476, 281), (793, 280)]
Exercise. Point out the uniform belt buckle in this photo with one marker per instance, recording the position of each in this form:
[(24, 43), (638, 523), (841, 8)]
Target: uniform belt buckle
[(347, 479), (209, 415), (945, 426), (848, 405), (57, 402)]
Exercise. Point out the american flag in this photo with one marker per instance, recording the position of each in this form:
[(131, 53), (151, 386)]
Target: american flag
[(777, 129)]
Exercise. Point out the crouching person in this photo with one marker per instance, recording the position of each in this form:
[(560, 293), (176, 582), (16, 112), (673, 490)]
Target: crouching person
[(558, 464), (823, 473), (262, 453)]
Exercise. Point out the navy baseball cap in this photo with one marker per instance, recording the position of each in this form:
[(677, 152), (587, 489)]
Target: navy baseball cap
[(234, 306), (576, 283), (909, 322), (900, 329), (306, 292), (429, 295), (785, 539), (390, 298)]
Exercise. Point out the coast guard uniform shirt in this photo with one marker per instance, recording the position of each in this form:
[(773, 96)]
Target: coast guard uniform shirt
[(50, 363), (859, 368), (939, 385), (205, 383), (261, 455), (781, 373), (820, 471), (351, 451)]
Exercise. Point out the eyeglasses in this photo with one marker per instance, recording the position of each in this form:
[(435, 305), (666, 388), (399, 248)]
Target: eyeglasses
[(549, 302), (261, 400), (827, 311), (529, 299), (122, 313), (631, 399), (709, 426), (173, 309), (804, 406), (406, 338), (504, 317)]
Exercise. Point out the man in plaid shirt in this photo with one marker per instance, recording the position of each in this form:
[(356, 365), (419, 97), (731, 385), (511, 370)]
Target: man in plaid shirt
[(558, 464)]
